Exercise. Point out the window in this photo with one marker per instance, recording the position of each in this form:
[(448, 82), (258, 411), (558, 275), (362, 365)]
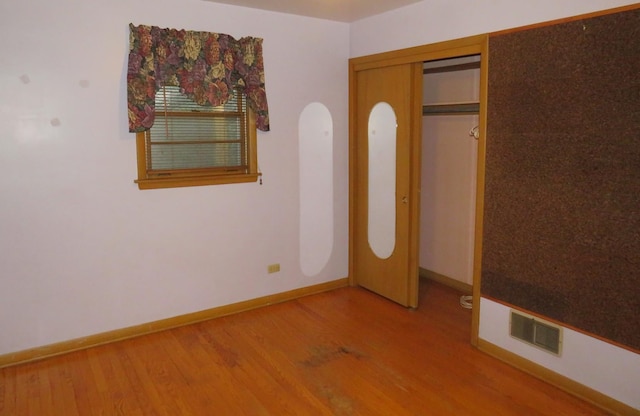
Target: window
[(195, 100), (191, 144)]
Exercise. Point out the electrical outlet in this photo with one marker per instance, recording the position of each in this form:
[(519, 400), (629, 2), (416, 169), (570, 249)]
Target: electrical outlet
[(273, 268)]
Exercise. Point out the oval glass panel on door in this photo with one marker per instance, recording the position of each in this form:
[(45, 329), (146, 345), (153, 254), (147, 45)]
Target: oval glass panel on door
[(382, 180)]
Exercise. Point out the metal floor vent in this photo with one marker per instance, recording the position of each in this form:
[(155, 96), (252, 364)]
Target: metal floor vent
[(536, 332)]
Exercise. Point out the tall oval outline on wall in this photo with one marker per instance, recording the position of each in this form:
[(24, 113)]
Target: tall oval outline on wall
[(315, 136), (382, 180)]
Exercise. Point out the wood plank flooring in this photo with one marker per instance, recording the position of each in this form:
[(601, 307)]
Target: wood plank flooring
[(344, 352)]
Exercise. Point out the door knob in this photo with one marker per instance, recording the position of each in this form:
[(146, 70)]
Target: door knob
[(405, 199)]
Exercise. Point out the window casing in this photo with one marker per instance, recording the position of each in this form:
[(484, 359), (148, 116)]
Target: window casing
[(191, 144)]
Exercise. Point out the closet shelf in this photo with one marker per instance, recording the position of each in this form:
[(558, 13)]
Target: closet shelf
[(452, 68), (450, 109)]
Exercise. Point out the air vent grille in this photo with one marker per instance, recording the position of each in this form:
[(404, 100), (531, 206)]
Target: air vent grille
[(536, 332)]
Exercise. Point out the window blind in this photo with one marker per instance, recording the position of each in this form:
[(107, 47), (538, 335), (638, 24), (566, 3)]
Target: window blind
[(190, 136)]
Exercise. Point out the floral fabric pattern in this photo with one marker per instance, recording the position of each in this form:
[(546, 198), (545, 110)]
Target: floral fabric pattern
[(206, 66)]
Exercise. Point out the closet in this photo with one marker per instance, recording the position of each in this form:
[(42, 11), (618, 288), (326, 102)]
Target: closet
[(448, 170)]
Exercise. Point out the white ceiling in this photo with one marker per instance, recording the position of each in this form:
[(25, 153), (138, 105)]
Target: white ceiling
[(339, 10)]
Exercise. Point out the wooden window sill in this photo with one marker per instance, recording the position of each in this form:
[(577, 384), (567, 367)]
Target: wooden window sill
[(157, 183)]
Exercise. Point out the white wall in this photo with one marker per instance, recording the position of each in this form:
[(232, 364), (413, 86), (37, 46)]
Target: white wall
[(603, 367), (82, 250), (594, 363), (431, 21)]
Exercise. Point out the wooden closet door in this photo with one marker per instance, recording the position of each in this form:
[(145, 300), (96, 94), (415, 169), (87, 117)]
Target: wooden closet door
[(395, 274)]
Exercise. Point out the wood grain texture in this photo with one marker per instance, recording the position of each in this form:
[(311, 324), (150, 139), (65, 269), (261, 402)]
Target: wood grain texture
[(343, 352)]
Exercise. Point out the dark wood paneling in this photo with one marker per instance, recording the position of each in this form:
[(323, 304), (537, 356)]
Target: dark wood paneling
[(562, 198)]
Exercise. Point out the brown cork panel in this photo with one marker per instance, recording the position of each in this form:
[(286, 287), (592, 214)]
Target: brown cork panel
[(562, 198)]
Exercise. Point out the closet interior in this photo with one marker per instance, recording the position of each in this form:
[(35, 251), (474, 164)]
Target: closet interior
[(451, 91)]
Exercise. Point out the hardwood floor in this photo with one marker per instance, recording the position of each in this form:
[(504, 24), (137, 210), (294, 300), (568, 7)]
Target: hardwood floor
[(344, 352)]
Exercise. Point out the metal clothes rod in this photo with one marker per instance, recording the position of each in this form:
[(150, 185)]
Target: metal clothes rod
[(450, 109)]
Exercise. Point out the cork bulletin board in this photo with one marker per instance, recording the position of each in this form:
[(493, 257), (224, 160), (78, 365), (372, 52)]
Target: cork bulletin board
[(562, 199)]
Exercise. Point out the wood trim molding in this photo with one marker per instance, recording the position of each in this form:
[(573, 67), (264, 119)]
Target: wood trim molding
[(471, 45), (480, 187), (415, 177), (568, 19), (570, 386), (64, 347), (447, 281)]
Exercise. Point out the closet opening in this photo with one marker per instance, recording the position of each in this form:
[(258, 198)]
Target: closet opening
[(450, 121)]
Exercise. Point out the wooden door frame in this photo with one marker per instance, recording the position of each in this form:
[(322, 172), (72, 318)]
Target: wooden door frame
[(474, 45)]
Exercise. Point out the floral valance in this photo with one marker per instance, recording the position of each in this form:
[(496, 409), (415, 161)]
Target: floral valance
[(206, 66)]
